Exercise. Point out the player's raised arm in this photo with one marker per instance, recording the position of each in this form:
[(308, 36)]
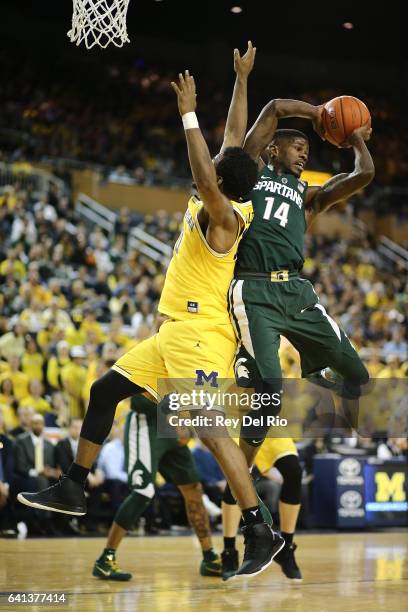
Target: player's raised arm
[(261, 134), (344, 185), (237, 119), (217, 205)]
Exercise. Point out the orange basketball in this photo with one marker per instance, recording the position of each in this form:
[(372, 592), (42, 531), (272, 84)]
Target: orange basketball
[(341, 116)]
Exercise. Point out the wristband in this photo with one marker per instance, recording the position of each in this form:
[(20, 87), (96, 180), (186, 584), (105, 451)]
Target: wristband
[(190, 121)]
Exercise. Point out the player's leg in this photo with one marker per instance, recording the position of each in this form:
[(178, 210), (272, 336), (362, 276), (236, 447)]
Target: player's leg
[(323, 344), (231, 516), (266, 456), (199, 521), (211, 349), (257, 319), (281, 453), (133, 372), (261, 542), (200, 346), (351, 381), (177, 466), (141, 460), (289, 508)]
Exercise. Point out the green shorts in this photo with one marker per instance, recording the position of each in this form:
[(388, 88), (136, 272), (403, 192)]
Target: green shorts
[(262, 311), (146, 454)]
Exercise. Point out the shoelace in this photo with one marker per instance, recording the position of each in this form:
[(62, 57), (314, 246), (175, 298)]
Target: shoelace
[(57, 484), (113, 563), (251, 546)]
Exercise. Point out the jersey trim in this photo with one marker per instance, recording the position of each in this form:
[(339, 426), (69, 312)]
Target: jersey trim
[(237, 210), (240, 320), (203, 238), (129, 376)]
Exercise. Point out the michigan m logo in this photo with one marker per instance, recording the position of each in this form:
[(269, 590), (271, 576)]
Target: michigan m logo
[(202, 376), (390, 488)]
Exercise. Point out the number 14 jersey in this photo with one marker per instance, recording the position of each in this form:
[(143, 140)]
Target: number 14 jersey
[(275, 239)]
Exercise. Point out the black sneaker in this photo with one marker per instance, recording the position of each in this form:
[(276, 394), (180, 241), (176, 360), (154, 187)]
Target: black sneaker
[(261, 546), (286, 559), (66, 496), (230, 562)]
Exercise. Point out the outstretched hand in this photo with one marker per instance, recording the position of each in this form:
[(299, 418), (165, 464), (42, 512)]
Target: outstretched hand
[(186, 93), (363, 132), (243, 65)]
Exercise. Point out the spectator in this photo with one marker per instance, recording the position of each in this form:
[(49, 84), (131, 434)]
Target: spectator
[(18, 378), (8, 404), (25, 415), (123, 224), (56, 363), (35, 468), (6, 477), (35, 457), (393, 447), (101, 286), (59, 415), (66, 449), (13, 343), (75, 335), (32, 316), (32, 361), (35, 291), (73, 377), (56, 314), (143, 316), (90, 324), (35, 398), (12, 265), (397, 345)]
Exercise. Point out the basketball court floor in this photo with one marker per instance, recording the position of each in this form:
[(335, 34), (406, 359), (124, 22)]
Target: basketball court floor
[(360, 572)]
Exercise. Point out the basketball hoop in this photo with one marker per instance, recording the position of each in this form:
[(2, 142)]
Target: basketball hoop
[(99, 22)]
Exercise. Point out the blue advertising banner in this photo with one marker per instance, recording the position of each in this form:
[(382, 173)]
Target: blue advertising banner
[(386, 493), (350, 492), (353, 492)]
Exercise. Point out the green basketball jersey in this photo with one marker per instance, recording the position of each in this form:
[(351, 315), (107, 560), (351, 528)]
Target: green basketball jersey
[(275, 238)]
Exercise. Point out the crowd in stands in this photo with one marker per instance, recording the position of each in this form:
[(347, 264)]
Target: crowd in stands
[(124, 118)]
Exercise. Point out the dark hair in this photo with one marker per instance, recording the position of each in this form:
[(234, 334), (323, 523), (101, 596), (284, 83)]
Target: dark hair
[(288, 135), (238, 172)]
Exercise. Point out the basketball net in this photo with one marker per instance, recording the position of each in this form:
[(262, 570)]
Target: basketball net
[(99, 22)]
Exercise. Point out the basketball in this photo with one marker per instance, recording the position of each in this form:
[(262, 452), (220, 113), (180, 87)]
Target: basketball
[(341, 116)]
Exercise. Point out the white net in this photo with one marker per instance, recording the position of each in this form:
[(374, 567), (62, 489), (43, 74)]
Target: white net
[(99, 22)]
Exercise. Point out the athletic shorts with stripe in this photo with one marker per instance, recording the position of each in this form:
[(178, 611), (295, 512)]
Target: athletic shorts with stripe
[(146, 454), (177, 351), (273, 449), (261, 311)]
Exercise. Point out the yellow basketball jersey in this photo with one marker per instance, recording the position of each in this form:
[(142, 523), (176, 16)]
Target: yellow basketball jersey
[(198, 277)]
